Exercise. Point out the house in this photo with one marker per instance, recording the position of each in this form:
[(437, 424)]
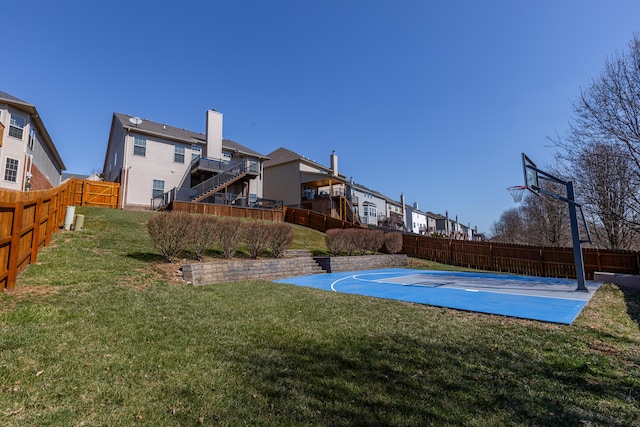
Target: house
[(417, 221), (302, 183), (93, 177), (370, 205), (156, 163), (395, 214), (29, 159)]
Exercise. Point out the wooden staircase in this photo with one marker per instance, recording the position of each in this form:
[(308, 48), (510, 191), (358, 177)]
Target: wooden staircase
[(220, 187), (347, 212)]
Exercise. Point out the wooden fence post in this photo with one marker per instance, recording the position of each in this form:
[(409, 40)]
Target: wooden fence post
[(491, 258), (14, 246), (36, 231)]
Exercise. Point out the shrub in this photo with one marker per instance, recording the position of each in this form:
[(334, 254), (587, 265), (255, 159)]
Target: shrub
[(335, 240), (204, 234), (169, 233), (231, 234), (393, 242), (257, 237), (359, 240), (375, 240), (281, 238)]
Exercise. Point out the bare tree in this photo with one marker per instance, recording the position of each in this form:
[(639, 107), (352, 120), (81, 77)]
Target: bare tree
[(546, 218), (601, 151), (604, 176), (509, 228)]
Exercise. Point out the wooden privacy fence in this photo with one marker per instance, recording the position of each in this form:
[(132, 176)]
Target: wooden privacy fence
[(96, 193), (519, 259), (314, 220), (226, 210), (502, 257), (27, 220)]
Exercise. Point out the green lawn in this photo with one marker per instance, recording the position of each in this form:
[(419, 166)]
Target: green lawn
[(96, 334)]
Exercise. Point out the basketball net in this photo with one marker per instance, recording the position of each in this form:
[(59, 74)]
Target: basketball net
[(517, 192)]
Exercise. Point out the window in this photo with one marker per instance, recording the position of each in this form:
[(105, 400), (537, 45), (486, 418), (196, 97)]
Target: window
[(227, 155), (11, 170), (178, 154), (140, 146), (158, 188), (16, 125), (32, 138), (369, 210), (195, 152)]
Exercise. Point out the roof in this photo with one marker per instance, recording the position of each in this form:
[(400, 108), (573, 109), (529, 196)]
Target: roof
[(284, 155), (66, 176), (13, 99), (163, 130), (35, 118)]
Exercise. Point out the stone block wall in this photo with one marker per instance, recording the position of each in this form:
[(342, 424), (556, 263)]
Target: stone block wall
[(362, 262), (295, 263), (248, 269)]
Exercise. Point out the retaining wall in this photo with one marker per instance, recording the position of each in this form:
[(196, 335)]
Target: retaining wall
[(248, 269), (362, 262)]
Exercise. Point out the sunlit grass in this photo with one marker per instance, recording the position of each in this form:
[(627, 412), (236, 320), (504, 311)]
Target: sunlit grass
[(97, 334)]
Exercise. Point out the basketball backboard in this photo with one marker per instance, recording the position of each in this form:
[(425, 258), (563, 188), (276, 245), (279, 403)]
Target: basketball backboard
[(530, 174)]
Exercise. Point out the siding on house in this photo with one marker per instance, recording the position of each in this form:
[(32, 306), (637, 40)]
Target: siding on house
[(39, 165), (137, 167)]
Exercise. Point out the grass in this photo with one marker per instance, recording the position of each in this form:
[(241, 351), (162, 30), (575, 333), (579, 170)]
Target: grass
[(97, 334)]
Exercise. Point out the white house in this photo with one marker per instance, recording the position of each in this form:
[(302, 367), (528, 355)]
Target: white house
[(370, 205), (28, 157), (156, 163), (416, 220)]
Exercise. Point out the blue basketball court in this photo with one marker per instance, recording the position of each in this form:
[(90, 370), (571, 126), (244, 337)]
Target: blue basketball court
[(538, 298)]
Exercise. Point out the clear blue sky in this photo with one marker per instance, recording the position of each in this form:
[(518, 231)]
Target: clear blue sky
[(433, 99)]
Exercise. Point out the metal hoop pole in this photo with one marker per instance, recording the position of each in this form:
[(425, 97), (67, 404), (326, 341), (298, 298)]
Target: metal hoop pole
[(575, 237)]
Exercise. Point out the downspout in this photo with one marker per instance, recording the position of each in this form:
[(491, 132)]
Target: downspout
[(124, 181)]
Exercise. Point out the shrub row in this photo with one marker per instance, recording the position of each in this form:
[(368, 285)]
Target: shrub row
[(174, 233), (355, 241)]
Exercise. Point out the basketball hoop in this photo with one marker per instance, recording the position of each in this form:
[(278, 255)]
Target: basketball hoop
[(517, 192)]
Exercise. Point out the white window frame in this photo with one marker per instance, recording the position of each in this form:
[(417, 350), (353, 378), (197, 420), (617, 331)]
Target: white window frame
[(158, 188), (11, 170), (178, 154), (195, 152), (32, 138), (15, 129), (140, 146)]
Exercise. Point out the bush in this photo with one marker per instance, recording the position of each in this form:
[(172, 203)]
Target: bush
[(359, 240), (393, 242), (204, 234), (231, 234), (257, 237), (375, 240), (169, 233), (281, 238), (334, 238)]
